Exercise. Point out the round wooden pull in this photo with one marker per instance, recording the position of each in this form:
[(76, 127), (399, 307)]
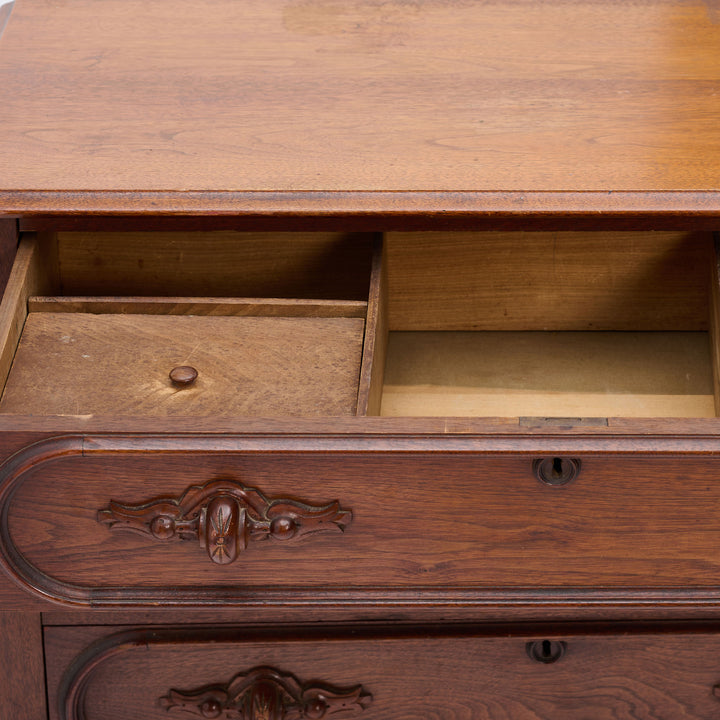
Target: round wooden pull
[(183, 376), (223, 530)]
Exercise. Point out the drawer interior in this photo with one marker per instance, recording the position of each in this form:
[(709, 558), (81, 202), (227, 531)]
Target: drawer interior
[(200, 324), (551, 324), (508, 324)]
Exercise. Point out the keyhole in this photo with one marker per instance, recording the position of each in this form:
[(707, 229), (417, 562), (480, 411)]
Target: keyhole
[(545, 651), (556, 470)]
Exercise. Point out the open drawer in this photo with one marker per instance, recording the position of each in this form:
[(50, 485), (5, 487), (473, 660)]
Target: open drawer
[(570, 325)]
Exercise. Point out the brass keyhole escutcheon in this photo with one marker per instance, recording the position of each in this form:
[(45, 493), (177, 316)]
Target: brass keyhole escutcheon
[(556, 470), (546, 651)]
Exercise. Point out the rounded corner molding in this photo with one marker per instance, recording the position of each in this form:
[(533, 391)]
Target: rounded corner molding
[(259, 693)]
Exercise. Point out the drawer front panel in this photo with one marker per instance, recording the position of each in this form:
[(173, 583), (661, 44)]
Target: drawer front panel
[(144, 520), (401, 676)]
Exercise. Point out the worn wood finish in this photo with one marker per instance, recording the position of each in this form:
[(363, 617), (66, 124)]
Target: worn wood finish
[(610, 525), (549, 281), (200, 306), (311, 265), (479, 673), (22, 691), (81, 364), (287, 98)]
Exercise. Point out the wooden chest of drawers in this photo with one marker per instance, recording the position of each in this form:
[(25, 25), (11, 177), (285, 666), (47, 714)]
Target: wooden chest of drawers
[(360, 360)]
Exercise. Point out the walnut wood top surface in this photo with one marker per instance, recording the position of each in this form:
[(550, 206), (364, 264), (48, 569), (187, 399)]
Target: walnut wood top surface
[(319, 106)]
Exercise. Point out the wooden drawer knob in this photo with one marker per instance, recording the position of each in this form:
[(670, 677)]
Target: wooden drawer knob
[(224, 516), (183, 376), (265, 693)]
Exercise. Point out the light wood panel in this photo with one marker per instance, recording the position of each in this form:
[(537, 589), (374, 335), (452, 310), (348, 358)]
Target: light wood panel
[(81, 364), (549, 374), (549, 281), (34, 271)]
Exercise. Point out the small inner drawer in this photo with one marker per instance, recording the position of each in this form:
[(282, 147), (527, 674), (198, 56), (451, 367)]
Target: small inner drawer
[(204, 324)]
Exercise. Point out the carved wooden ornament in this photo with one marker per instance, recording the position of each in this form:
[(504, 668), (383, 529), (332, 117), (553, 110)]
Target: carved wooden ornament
[(265, 693), (225, 517)]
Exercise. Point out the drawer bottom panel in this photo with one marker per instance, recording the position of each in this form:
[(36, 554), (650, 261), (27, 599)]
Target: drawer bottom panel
[(398, 674)]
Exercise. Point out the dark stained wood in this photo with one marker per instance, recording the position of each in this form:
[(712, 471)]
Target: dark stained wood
[(265, 692), (483, 673), (224, 517), (545, 213), (492, 531), (22, 690), (290, 98), (183, 376)]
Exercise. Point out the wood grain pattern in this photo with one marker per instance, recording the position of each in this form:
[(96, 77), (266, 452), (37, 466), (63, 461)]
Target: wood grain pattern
[(80, 364), (22, 691), (310, 265), (423, 674), (372, 372), (549, 281), (286, 98), (256, 307), (610, 525)]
